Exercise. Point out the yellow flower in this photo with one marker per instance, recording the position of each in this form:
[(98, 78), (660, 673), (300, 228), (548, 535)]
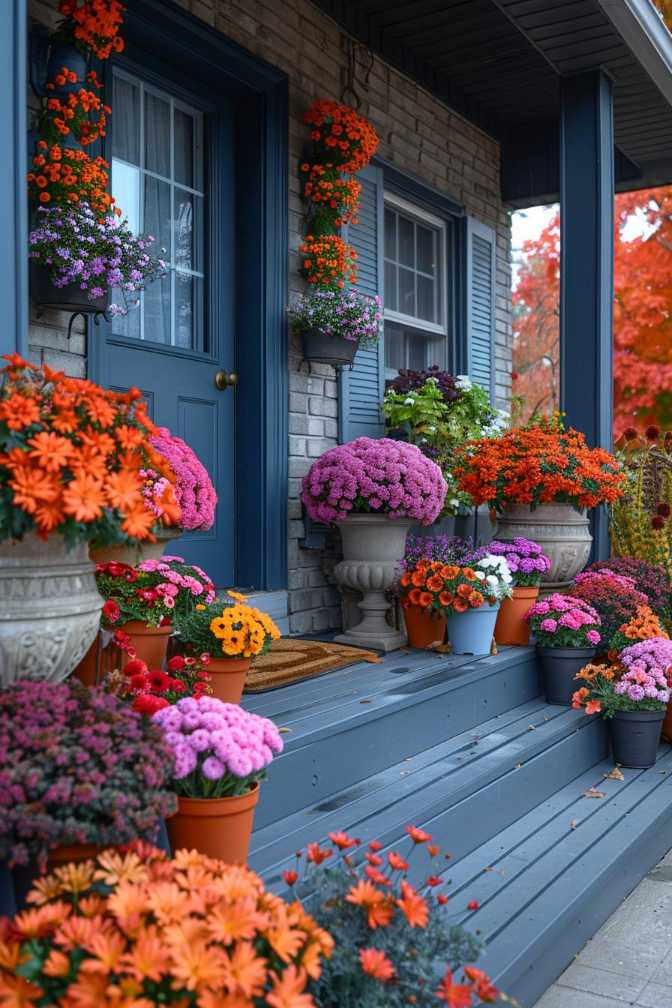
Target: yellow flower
[(236, 595), (200, 607)]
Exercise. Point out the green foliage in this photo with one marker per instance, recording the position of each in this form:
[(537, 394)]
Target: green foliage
[(438, 425)]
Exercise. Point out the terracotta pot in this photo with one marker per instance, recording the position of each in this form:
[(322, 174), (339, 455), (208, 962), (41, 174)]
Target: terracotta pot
[(72, 852), (667, 723), (227, 678), (562, 532), (150, 643), (217, 827), (510, 627), (138, 552), (99, 661), (423, 628)]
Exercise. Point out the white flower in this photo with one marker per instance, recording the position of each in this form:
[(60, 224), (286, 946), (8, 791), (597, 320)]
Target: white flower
[(480, 575), (431, 430), (409, 401), (463, 382), (492, 580)]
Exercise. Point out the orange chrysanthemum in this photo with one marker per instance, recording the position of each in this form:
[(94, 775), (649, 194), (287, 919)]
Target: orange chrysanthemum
[(375, 964)]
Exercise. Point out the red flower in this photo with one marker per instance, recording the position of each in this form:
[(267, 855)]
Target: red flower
[(657, 522), (290, 877), (111, 611), (433, 880), (148, 704), (663, 509), (375, 845), (342, 840), (317, 854), (376, 876), (629, 433), (176, 663), (473, 905), (397, 862), (159, 681), (139, 681), (652, 432), (134, 667), (418, 835), (375, 963), (374, 860), (442, 899), (455, 995), (484, 988)]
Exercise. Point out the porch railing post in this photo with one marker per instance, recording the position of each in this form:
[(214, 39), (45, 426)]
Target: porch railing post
[(587, 263), (13, 234)]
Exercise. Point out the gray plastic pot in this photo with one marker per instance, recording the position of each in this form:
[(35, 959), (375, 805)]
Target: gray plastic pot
[(559, 666), (324, 349), (635, 736)]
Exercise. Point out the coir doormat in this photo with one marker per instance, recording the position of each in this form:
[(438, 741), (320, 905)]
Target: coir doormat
[(291, 660)]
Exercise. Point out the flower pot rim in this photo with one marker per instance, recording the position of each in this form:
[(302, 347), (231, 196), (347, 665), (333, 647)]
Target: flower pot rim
[(373, 518), (566, 652), (204, 807), (235, 663), (144, 629), (641, 715), (526, 591)]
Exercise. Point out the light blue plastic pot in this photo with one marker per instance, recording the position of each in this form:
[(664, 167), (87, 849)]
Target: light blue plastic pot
[(471, 632)]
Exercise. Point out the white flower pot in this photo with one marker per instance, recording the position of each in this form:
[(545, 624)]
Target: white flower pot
[(562, 532), (373, 547), (49, 608)]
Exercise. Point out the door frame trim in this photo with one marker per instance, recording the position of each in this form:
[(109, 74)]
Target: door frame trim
[(262, 397)]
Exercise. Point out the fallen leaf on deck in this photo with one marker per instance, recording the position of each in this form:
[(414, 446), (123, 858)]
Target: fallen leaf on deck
[(365, 701), (594, 793), (444, 649), (285, 731), (532, 727), (614, 775)]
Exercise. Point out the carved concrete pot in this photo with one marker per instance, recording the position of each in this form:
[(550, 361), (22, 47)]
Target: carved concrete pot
[(563, 534), (373, 547), (49, 608)]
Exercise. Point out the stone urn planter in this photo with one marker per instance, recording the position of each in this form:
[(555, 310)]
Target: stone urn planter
[(49, 608), (373, 547), (562, 532)]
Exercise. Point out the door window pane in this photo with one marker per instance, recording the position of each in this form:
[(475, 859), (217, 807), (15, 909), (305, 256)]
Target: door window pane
[(408, 347), (157, 179)]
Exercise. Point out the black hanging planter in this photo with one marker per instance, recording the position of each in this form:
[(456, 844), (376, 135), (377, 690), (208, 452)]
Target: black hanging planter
[(635, 736), (559, 666), (65, 55), (321, 348), (69, 299)]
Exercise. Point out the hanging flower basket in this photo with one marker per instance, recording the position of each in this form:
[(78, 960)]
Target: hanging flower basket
[(70, 298)]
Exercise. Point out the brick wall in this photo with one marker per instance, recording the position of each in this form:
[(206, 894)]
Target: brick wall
[(419, 135)]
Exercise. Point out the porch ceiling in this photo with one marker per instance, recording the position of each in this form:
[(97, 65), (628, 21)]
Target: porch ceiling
[(499, 62)]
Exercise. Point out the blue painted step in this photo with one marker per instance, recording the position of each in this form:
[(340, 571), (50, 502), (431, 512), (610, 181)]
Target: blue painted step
[(464, 789), (555, 875), (349, 725)]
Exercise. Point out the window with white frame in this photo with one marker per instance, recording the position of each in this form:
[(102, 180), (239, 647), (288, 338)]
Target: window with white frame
[(415, 289), (158, 180)]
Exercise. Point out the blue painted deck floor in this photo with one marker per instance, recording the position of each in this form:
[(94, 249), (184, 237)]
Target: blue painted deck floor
[(469, 750)]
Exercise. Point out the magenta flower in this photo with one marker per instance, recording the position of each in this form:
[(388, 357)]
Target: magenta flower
[(564, 621), (193, 488), (374, 475)]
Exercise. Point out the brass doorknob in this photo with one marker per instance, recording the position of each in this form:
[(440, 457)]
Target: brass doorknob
[(225, 378)]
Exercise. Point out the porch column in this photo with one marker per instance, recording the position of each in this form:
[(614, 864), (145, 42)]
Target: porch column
[(13, 233), (587, 263)]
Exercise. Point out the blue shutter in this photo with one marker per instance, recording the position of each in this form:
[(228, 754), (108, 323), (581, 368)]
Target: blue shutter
[(480, 301), (361, 387)]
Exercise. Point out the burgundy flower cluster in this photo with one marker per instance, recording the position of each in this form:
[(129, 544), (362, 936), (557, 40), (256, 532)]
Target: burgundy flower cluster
[(651, 579), (77, 766), (615, 601)]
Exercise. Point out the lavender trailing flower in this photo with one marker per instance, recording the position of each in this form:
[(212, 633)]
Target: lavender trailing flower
[(344, 314), (77, 247), (526, 561), (444, 548)]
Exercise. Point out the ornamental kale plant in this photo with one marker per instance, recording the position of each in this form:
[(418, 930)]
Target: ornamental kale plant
[(371, 475), (77, 766), (564, 621), (193, 487), (651, 579), (219, 749), (640, 680), (345, 314), (613, 596), (76, 247), (392, 939), (526, 561)]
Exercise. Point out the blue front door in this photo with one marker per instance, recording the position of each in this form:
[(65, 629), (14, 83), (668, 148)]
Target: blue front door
[(172, 157)]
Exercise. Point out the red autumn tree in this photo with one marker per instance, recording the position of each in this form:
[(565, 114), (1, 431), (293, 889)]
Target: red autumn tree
[(642, 315)]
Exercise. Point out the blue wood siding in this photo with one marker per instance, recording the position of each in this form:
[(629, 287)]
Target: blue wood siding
[(14, 232), (480, 303), (361, 387)]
